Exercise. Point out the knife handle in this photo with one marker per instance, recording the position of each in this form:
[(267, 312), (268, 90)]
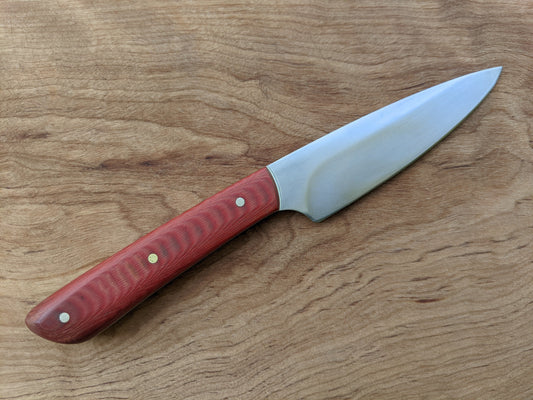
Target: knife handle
[(102, 295)]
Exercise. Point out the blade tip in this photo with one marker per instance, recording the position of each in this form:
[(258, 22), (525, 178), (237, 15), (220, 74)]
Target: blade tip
[(491, 75), (495, 71)]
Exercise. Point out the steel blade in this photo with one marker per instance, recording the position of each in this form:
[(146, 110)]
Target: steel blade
[(326, 175)]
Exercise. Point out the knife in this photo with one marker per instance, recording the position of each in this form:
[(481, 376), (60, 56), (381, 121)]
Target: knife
[(317, 180)]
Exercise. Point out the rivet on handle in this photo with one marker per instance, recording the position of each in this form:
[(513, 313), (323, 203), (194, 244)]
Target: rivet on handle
[(64, 317)]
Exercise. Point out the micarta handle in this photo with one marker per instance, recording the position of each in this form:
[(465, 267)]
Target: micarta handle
[(102, 295)]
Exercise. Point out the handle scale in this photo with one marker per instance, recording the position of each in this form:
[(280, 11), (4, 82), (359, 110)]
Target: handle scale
[(102, 295)]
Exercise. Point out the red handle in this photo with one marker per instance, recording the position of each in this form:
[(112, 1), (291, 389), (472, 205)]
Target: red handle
[(102, 295)]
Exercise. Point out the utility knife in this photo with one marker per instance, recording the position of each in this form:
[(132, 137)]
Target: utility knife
[(317, 180)]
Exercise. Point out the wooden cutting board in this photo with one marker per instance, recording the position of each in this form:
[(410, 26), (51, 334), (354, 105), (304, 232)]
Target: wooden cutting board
[(117, 116)]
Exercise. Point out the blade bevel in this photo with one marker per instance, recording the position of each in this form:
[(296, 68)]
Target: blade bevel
[(335, 170)]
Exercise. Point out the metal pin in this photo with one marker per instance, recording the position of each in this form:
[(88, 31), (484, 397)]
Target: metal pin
[(152, 258), (239, 201), (64, 317)]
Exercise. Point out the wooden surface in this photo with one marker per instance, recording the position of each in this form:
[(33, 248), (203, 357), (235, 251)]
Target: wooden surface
[(117, 116)]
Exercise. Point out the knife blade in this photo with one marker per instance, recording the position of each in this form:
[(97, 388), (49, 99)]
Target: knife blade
[(317, 180)]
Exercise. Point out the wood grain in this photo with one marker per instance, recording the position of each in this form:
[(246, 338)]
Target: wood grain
[(117, 116)]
